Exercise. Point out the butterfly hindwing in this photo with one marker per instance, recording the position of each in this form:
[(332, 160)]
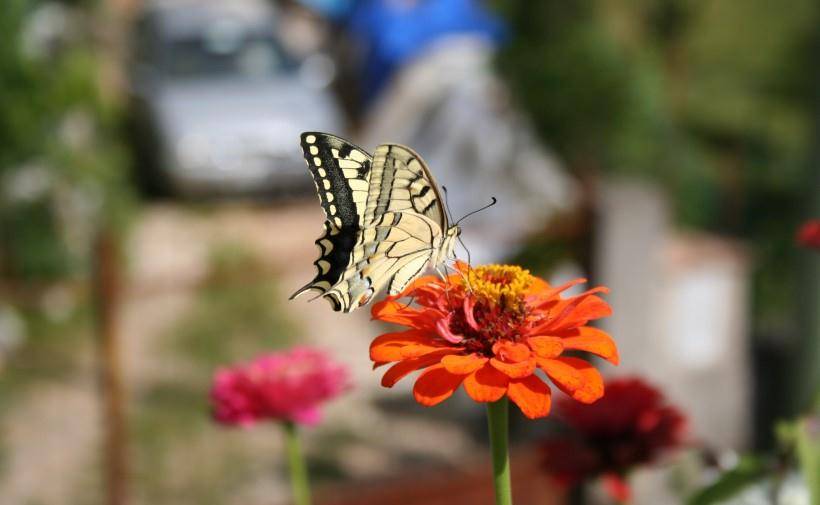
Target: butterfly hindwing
[(335, 246), (392, 252)]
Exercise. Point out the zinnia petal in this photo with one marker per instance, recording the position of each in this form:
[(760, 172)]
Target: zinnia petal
[(545, 294), (486, 384), (585, 384), (546, 347), (538, 286), (309, 416), (443, 329), (462, 266), (436, 385), (582, 309), (514, 370), (387, 347), (463, 365), (560, 372), (511, 352), (416, 350), (421, 282), (469, 316), (531, 395), (392, 311), (593, 340), (403, 368)]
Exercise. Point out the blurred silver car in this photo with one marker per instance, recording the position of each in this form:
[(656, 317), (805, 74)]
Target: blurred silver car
[(217, 105)]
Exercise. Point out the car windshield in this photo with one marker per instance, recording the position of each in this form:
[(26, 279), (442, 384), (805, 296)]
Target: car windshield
[(225, 49)]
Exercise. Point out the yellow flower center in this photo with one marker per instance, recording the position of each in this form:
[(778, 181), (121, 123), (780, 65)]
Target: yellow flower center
[(502, 285)]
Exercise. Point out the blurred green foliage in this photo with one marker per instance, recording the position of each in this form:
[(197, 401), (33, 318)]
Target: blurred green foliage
[(714, 100), (234, 313), (62, 164), (45, 357), (749, 471)]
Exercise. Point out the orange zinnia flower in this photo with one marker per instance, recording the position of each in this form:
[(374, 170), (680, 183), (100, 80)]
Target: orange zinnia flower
[(490, 328)]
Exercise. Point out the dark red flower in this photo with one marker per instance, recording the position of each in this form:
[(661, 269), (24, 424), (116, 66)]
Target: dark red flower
[(809, 234), (631, 426)]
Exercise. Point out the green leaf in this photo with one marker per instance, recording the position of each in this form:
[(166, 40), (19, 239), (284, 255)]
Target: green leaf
[(808, 453), (747, 472)]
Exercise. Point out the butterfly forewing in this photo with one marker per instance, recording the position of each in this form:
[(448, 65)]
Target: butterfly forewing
[(400, 181), (341, 172)]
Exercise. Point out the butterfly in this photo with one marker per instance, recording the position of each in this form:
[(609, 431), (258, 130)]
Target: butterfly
[(384, 220)]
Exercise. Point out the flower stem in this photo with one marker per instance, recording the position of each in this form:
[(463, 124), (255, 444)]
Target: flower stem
[(497, 419), (298, 470)]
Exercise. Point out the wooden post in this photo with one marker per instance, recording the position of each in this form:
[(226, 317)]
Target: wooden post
[(107, 290)]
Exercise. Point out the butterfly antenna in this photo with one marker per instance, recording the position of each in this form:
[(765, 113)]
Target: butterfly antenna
[(493, 201)]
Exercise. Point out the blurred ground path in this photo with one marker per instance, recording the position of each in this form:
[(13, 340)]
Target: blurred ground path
[(49, 442), (54, 432)]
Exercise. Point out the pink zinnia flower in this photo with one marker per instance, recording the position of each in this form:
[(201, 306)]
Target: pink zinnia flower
[(286, 386), (809, 234)]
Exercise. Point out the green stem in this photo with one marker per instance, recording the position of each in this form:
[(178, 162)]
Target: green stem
[(497, 419), (298, 470)]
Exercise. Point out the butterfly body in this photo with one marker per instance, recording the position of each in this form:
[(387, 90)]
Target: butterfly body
[(385, 222)]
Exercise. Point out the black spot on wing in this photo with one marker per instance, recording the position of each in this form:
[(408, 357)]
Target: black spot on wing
[(345, 150)]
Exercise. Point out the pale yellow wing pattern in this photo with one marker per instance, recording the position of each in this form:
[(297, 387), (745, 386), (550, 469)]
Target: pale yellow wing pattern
[(400, 181), (391, 252), (384, 219)]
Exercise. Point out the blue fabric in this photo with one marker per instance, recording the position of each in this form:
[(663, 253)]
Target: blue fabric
[(333, 9), (393, 32)]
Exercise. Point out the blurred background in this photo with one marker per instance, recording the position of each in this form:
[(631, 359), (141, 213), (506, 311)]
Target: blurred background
[(155, 213)]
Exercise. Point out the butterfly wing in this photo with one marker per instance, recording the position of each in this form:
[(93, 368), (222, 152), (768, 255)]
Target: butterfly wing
[(385, 219), (403, 225), (391, 252), (341, 173), (400, 181)]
